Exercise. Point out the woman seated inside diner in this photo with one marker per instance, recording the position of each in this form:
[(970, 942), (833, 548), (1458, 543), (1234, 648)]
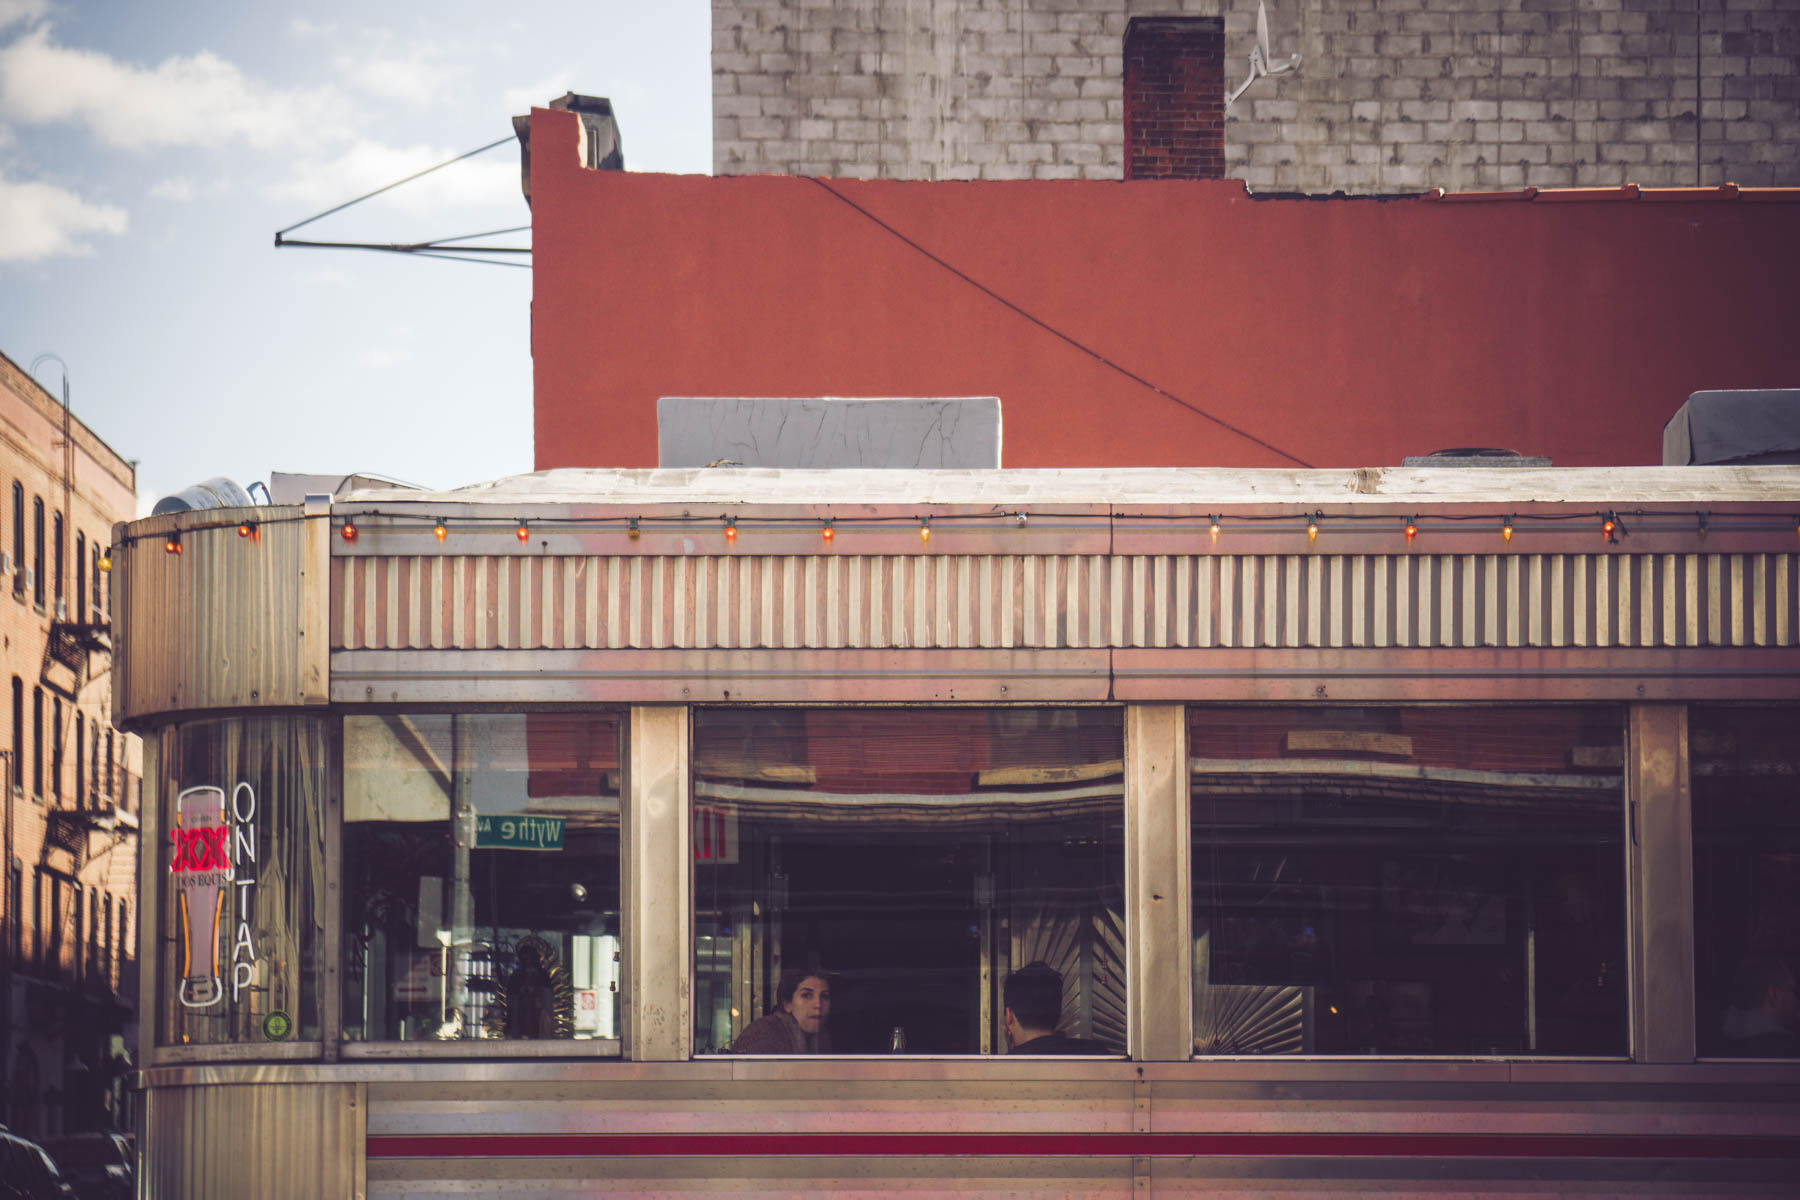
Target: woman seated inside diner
[(796, 1025)]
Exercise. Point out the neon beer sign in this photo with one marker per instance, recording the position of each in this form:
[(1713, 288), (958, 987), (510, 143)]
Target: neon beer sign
[(215, 851)]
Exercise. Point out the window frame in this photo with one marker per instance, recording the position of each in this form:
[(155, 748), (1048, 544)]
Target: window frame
[(337, 990)]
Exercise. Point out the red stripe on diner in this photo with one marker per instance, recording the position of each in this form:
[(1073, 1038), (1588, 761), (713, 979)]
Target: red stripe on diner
[(1248, 1145)]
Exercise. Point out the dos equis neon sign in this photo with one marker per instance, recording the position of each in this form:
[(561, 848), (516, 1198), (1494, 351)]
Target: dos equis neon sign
[(215, 852)]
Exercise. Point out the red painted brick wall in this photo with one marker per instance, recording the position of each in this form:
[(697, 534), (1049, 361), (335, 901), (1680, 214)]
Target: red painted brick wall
[(1337, 333), (1175, 98)]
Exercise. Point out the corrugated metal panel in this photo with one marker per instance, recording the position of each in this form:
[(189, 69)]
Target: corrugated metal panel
[(1064, 601), (224, 623), (537, 1127), (270, 1141)]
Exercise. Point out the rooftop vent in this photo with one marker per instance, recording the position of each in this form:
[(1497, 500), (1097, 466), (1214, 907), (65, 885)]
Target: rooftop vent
[(1474, 456), (1749, 426), (217, 492)]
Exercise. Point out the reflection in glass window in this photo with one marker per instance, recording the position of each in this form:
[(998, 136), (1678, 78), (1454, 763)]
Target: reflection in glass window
[(1746, 793), (481, 867), (240, 926), (914, 857), (1408, 881)]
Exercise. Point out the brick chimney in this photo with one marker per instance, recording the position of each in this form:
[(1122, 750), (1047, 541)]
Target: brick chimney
[(1175, 98)]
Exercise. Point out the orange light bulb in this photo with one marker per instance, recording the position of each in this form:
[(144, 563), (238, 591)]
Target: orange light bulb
[(439, 531), (349, 532)]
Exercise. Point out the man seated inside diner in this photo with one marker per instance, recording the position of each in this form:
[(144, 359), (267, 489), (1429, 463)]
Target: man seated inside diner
[(1764, 1019), (1033, 1006)]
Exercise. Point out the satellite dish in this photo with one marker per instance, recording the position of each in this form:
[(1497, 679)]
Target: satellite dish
[(1259, 57)]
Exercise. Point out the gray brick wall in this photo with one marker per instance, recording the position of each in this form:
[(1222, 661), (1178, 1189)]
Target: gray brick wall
[(1392, 95)]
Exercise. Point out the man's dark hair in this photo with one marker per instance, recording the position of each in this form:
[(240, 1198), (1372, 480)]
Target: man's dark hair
[(1034, 993), (792, 979), (1756, 976)]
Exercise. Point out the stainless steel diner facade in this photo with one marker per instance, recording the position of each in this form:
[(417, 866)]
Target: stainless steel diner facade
[(338, 696)]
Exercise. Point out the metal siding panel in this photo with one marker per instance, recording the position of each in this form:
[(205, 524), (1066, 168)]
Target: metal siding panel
[(270, 1141), (224, 623), (1427, 566), (1784, 600), (1206, 590)]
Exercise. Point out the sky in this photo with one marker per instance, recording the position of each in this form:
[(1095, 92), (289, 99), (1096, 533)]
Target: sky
[(149, 152)]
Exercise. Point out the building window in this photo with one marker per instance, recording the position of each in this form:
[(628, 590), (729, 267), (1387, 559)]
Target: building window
[(238, 925), (37, 741), (1413, 881), (481, 867), (56, 748), (911, 859), (111, 784), (106, 940), (81, 577), (1743, 763), (55, 959), (16, 768), (125, 954), (56, 547), (94, 789), (15, 910), (80, 760), (18, 526), (37, 551)]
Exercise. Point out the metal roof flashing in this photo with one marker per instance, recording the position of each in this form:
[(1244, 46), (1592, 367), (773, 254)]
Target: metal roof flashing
[(1115, 486)]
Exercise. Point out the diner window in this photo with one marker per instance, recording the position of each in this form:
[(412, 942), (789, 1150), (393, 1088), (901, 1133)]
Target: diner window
[(1408, 881), (910, 860), (1745, 764), (239, 928), (481, 866)]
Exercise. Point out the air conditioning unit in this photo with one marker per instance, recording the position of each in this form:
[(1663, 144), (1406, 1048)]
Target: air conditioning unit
[(6, 563), (30, 578), (62, 608), (21, 579)]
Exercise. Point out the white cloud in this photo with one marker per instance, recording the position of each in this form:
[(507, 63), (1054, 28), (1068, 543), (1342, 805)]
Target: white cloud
[(301, 27), (176, 189), (14, 11), (489, 181), (198, 100), (39, 220), (414, 78), (537, 95), (381, 360)]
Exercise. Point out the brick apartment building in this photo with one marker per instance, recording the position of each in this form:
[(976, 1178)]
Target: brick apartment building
[(73, 782), (1390, 95)]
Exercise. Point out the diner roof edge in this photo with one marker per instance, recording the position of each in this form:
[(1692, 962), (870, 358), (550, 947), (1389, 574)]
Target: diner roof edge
[(1117, 486)]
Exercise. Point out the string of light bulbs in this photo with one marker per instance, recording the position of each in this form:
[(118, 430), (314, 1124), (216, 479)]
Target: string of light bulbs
[(1609, 523)]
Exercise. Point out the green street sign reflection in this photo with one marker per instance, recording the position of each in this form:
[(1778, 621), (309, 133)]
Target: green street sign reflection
[(518, 833)]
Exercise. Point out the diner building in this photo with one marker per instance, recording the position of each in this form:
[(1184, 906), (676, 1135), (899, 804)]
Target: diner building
[(1402, 829)]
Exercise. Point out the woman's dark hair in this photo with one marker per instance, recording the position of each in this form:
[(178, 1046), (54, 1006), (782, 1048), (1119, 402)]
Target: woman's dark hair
[(792, 979)]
